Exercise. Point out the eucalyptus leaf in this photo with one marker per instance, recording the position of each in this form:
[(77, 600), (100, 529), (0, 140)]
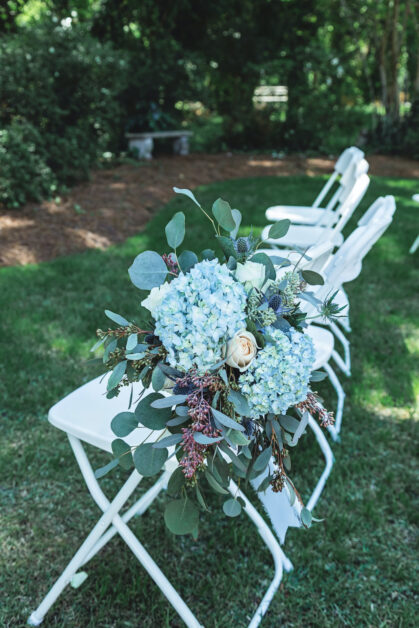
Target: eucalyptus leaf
[(153, 418), (176, 481), (306, 517), (158, 379), (116, 318), (232, 263), (169, 441), (102, 471), (309, 296), (187, 193), (98, 344), (237, 217), (175, 230), (187, 260), (169, 371), (232, 508), (203, 439), (262, 258), (264, 484), (225, 420), (279, 229), (318, 376), (177, 421), (262, 460), (181, 516), (278, 434), (148, 270), (289, 423), (222, 213), (169, 402), (124, 423), (227, 247), (301, 428), (292, 495), (208, 254), (132, 342), (234, 459), (239, 402), (313, 278), (116, 375), (109, 348), (135, 356), (214, 484), (148, 460), (182, 411), (280, 261), (122, 451), (238, 438), (200, 498), (223, 375)]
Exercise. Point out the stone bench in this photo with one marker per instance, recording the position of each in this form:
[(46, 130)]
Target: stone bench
[(143, 142)]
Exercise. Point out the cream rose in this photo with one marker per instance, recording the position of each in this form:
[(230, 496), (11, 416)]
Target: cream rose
[(251, 274), (155, 297), (241, 350)]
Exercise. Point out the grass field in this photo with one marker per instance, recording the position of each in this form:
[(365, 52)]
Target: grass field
[(355, 569)]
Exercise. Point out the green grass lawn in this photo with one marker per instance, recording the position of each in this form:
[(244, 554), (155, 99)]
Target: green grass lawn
[(357, 568)]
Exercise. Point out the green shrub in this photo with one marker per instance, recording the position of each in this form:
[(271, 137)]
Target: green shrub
[(62, 86), (24, 172)]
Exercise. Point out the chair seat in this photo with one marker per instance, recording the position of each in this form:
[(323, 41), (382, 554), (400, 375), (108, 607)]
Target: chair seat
[(303, 237), (86, 413), (301, 215), (323, 344)]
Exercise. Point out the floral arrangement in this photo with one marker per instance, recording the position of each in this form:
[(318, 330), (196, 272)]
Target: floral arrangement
[(224, 364)]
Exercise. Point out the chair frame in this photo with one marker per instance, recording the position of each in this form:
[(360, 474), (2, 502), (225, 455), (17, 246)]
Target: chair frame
[(112, 522)]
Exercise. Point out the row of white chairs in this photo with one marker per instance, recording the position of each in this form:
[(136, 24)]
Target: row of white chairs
[(337, 266), (85, 414)]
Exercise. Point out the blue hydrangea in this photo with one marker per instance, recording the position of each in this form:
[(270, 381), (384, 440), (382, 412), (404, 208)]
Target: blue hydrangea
[(279, 375), (201, 311)]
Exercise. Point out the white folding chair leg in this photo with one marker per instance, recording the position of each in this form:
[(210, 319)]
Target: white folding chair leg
[(130, 485), (329, 458), (136, 509), (335, 429), (280, 560), (90, 545), (345, 364)]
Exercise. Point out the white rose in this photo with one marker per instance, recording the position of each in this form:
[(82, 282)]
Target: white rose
[(241, 350), (155, 297), (252, 274)]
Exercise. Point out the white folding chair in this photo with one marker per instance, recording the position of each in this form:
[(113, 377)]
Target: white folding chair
[(85, 415), (327, 216), (302, 237), (346, 264)]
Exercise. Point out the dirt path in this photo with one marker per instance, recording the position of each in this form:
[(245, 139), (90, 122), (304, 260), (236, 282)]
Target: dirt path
[(117, 203)]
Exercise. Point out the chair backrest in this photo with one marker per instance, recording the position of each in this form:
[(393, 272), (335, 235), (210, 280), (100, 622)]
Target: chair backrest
[(336, 205), (346, 264), (349, 155), (357, 185)]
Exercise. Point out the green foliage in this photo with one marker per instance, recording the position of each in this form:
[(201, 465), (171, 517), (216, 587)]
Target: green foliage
[(148, 460), (148, 270), (59, 109), (24, 170)]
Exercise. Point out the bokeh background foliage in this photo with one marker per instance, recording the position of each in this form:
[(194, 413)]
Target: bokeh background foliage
[(355, 569), (75, 76)]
